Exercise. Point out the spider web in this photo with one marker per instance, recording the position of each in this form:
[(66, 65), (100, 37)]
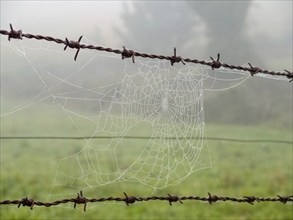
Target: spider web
[(149, 99), (167, 106)]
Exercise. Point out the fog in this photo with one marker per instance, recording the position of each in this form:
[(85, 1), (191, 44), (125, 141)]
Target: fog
[(257, 32), (106, 125)]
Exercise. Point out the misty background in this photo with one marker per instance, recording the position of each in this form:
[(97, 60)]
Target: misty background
[(259, 32)]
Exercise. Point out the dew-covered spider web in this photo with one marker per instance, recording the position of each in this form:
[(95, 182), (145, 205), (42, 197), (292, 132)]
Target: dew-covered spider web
[(145, 120), (167, 107)]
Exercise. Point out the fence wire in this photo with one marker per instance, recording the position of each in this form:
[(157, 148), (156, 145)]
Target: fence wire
[(269, 141), (125, 53), (80, 199)]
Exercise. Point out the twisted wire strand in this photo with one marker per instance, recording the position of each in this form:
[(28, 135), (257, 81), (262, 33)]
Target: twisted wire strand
[(125, 53), (80, 199)]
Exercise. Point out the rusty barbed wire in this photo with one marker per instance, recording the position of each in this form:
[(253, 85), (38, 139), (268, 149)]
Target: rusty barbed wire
[(128, 200), (125, 53)]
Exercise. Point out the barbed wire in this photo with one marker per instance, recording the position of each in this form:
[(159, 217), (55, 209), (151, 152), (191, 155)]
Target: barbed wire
[(144, 138), (80, 199), (126, 53)]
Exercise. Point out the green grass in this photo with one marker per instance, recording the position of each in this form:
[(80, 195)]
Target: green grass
[(28, 168)]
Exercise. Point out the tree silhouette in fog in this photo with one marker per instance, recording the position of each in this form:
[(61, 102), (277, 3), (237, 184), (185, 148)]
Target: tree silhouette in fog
[(156, 27), (226, 29)]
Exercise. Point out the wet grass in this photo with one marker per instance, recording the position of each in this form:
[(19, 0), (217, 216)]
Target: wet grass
[(28, 168)]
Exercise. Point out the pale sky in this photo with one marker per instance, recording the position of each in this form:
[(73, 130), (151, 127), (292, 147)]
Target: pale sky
[(83, 16), (61, 17)]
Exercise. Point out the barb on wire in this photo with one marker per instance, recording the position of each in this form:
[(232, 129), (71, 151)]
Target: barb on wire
[(74, 45), (127, 54), (211, 199), (174, 198), (26, 202), (130, 53), (129, 199), (176, 59), (80, 200), (215, 64), (254, 70), (14, 34)]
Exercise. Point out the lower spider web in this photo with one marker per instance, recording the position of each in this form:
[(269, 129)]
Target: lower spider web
[(154, 101)]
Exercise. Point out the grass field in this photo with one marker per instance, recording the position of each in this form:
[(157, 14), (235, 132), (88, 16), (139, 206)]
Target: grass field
[(28, 168)]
